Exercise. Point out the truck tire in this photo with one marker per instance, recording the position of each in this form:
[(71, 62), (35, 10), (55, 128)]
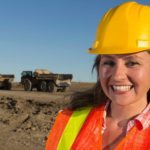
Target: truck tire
[(43, 86), (51, 87), (27, 85)]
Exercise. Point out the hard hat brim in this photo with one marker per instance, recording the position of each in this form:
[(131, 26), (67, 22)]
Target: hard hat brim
[(116, 51)]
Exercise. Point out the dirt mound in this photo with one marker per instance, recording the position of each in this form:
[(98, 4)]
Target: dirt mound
[(30, 119), (27, 117)]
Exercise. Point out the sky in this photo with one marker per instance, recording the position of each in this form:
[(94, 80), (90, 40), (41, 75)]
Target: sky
[(50, 34)]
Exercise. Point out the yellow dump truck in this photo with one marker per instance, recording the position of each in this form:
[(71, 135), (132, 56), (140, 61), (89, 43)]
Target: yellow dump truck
[(6, 81), (44, 80)]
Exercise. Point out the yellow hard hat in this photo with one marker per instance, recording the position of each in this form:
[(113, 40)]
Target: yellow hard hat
[(123, 29)]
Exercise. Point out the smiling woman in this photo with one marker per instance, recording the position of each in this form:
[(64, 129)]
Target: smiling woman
[(115, 113)]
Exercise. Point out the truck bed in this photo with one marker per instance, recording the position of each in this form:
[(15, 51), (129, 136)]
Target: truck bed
[(54, 76)]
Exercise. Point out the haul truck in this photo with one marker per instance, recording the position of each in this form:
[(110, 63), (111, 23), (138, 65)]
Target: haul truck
[(6, 81), (44, 80)]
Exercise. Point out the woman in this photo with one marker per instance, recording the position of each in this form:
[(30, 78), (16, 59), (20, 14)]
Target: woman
[(115, 114)]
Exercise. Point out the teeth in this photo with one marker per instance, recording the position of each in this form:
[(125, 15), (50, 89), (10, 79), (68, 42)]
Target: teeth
[(122, 88)]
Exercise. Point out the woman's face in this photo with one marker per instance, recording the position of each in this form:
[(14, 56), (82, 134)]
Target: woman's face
[(125, 79)]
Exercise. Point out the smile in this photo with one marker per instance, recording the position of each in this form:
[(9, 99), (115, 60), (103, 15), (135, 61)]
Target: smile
[(121, 88)]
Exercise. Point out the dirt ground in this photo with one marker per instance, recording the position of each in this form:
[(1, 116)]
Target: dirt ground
[(27, 117)]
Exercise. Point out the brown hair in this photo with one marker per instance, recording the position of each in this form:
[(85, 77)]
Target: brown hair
[(94, 96)]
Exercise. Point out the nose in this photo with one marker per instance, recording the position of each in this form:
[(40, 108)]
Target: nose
[(119, 72)]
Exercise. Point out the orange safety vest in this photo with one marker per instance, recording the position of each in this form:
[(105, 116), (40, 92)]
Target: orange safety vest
[(88, 136)]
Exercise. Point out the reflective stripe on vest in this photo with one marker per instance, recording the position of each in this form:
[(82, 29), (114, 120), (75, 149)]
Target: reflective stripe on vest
[(72, 128)]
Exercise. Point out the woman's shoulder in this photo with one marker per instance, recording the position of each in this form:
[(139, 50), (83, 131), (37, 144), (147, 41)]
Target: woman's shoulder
[(81, 110)]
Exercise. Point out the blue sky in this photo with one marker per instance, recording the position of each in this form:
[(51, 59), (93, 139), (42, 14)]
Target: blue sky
[(50, 34)]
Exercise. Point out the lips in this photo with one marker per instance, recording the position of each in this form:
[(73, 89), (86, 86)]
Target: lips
[(121, 88)]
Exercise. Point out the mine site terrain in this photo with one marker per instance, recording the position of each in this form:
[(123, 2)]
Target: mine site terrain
[(26, 117)]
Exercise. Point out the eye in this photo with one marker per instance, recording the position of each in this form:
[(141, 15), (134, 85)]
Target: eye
[(108, 63), (131, 63)]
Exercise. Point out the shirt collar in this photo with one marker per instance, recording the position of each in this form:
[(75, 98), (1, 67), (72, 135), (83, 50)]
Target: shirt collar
[(142, 121)]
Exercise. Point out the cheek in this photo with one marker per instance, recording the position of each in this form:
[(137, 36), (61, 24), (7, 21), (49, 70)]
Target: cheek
[(141, 76)]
